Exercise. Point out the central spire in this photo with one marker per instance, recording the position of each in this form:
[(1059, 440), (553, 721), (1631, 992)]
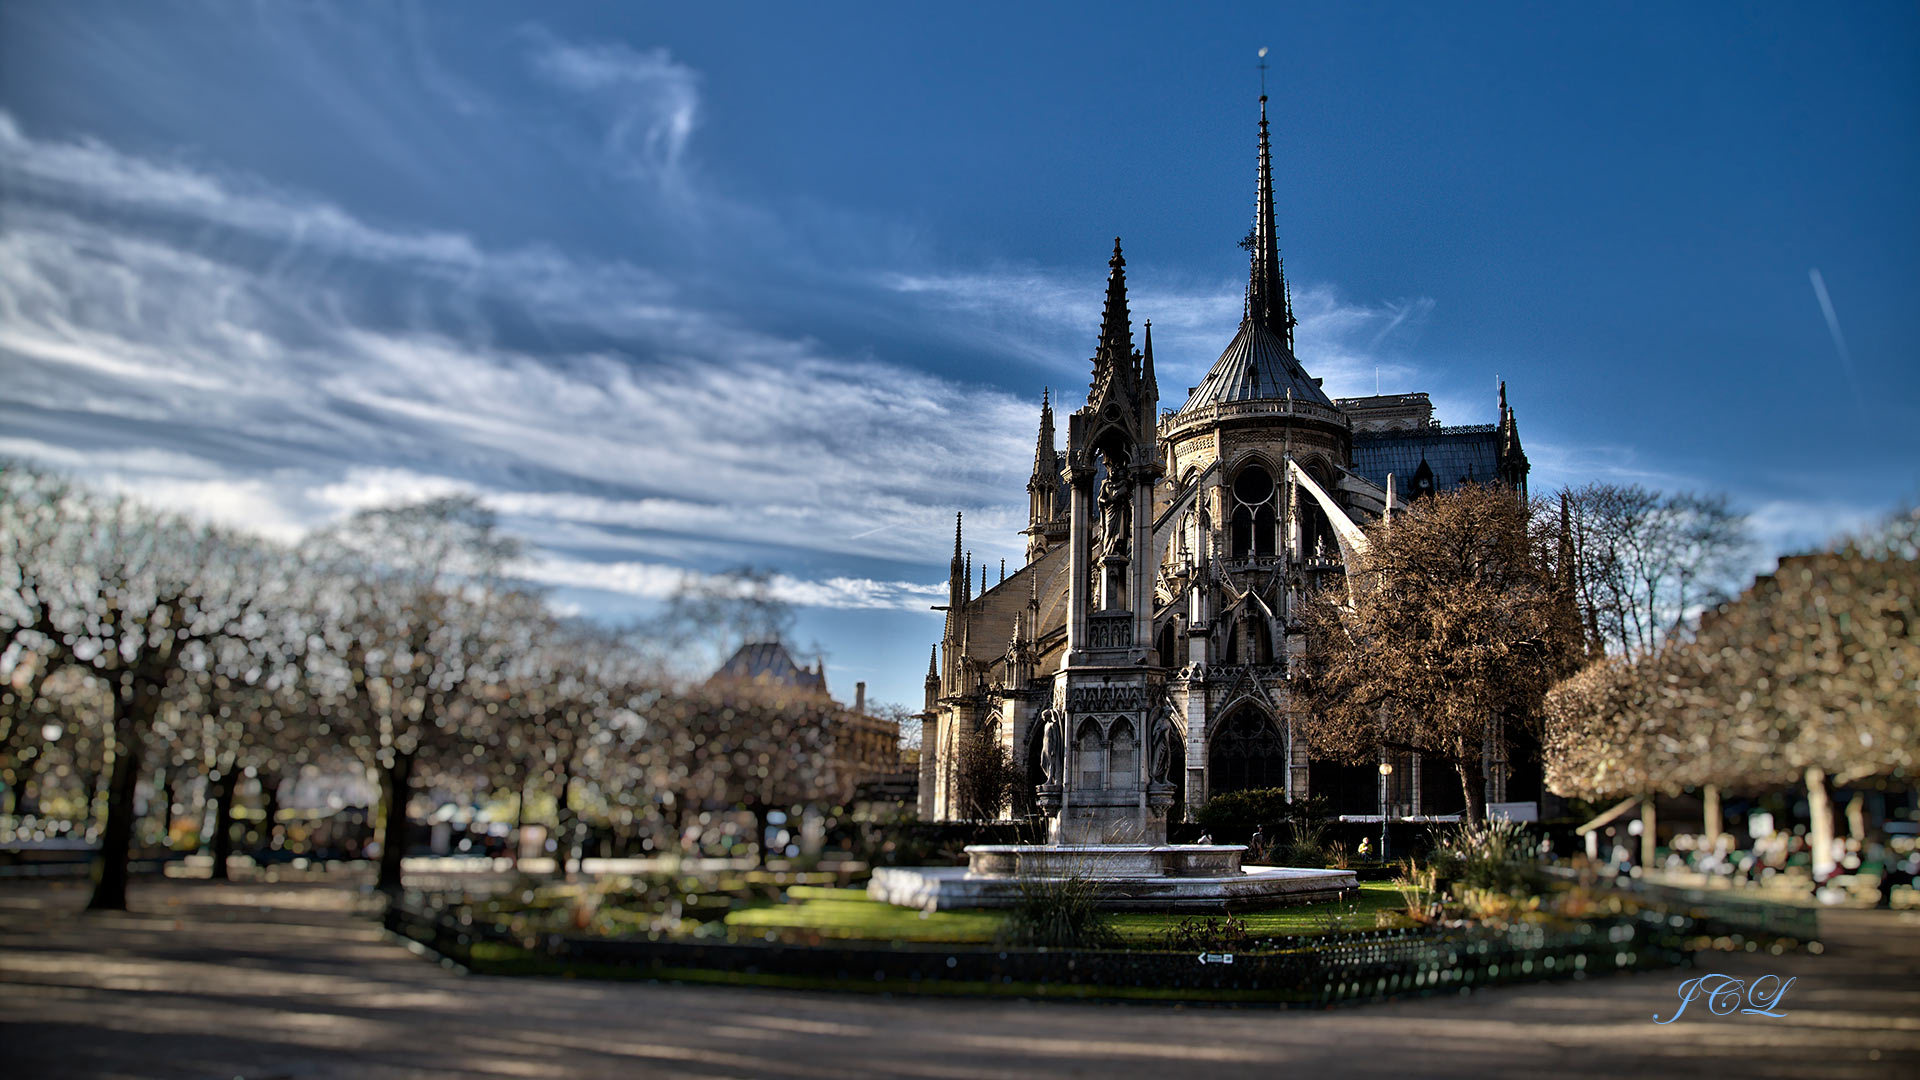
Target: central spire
[(1267, 302), (1260, 363)]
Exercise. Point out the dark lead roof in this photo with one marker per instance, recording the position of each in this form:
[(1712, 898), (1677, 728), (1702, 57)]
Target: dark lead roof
[(1457, 455), (1255, 367)]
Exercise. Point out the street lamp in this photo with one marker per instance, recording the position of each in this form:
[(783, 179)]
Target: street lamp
[(1386, 770)]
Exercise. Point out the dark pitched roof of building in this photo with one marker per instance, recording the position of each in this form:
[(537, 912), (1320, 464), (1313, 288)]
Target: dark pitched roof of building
[(1456, 455), (769, 662), (1256, 366)]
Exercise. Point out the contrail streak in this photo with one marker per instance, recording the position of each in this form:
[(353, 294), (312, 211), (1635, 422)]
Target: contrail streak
[(1839, 340)]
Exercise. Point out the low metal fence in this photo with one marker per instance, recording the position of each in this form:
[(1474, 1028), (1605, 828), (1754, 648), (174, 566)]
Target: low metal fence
[(1318, 970)]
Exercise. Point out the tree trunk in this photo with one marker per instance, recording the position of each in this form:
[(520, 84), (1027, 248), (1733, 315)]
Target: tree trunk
[(221, 845), (396, 790), (1649, 834), (169, 788), (270, 796), (520, 817), (563, 823), (1473, 787), (759, 813), (1820, 830), (134, 705), (1710, 800)]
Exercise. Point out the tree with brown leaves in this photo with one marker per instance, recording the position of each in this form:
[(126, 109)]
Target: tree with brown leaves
[(1453, 625)]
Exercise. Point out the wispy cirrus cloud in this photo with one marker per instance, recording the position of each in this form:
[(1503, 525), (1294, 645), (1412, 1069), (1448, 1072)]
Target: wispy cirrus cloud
[(1047, 316), (258, 383), (651, 102), (651, 580)]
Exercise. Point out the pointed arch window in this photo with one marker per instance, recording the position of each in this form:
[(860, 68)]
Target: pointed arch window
[(1247, 752), (1252, 530), (1242, 532), (1123, 755), (1090, 753)]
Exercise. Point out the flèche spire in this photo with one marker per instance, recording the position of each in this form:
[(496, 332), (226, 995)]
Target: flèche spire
[(1266, 295)]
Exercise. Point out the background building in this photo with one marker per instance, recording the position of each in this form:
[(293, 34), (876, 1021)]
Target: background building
[(866, 748)]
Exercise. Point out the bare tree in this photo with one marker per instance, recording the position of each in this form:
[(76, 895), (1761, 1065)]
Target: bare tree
[(747, 746), (25, 709), (984, 775), (401, 615), (1648, 561), (1808, 676), (131, 596), (549, 700), (910, 724)]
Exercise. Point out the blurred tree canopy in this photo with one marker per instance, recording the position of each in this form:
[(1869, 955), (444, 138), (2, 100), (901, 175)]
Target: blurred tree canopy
[(1814, 667), (143, 647)]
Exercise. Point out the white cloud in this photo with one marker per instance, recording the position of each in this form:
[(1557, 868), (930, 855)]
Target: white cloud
[(86, 169), (199, 378), (1789, 526), (651, 101), (656, 582), (1557, 465), (1053, 318)]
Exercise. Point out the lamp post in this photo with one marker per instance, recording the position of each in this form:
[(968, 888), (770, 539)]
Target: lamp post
[(1386, 770)]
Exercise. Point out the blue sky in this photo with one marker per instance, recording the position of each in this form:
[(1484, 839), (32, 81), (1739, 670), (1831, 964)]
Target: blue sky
[(676, 290)]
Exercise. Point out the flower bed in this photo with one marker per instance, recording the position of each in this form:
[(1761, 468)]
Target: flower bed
[(825, 938)]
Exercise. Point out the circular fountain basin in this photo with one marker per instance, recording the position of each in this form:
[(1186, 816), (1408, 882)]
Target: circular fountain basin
[(1103, 861)]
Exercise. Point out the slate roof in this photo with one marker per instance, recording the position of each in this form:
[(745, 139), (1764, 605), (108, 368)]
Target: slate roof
[(1256, 366), (991, 614), (1456, 455), (769, 662)]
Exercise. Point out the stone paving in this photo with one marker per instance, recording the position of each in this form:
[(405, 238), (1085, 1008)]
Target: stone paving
[(262, 981)]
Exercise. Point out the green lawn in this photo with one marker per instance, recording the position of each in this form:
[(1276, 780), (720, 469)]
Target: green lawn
[(847, 914)]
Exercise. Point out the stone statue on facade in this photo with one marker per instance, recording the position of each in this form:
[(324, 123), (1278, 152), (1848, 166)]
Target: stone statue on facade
[(1053, 749), (1160, 751), (1116, 513)]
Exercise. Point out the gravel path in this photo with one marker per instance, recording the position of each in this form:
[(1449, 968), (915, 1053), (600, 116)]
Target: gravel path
[(263, 981)]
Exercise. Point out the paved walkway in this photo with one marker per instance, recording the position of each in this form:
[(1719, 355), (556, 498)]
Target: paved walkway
[(264, 981)]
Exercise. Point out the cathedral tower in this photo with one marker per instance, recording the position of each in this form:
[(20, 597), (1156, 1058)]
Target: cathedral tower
[(1106, 721)]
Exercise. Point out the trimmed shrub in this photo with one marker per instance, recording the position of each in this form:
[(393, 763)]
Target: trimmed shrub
[(1244, 809)]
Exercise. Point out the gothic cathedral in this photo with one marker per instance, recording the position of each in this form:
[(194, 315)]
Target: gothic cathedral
[(1144, 647)]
